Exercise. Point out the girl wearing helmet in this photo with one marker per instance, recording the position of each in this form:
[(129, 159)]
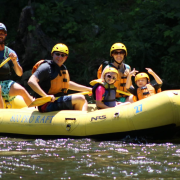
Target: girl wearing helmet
[(104, 91), (118, 52), (144, 88)]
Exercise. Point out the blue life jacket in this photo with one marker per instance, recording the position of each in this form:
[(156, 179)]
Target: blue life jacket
[(109, 97)]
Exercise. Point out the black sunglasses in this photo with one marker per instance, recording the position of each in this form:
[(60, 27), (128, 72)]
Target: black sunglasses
[(118, 52), (110, 77), (58, 54)]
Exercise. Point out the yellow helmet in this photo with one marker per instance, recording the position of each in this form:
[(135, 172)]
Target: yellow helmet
[(118, 46), (61, 48), (110, 69), (141, 75)]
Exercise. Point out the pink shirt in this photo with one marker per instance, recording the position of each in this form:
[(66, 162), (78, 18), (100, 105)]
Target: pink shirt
[(99, 93)]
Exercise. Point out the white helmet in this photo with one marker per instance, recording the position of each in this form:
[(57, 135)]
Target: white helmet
[(3, 27)]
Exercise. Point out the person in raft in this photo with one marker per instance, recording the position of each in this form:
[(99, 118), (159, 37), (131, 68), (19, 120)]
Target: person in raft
[(51, 78), (9, 89), (104, 91), (144, 88), (118, 52)]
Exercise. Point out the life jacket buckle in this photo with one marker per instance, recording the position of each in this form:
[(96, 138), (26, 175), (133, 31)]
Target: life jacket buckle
[(144, 87)]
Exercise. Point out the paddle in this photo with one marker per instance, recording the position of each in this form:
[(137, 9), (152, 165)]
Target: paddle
[(5, 61), (122, 92), (43, 100)]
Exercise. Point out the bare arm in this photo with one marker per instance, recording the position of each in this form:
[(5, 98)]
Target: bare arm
[(33, 83), (101, 105), (17, 68), (78, 87), (129, 82), (156, 77)]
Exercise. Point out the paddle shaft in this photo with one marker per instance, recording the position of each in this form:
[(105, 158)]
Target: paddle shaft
[(5, 61), (122, 92), (43, 100)]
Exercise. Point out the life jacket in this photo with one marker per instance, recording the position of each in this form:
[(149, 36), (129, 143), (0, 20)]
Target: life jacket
[(120, 84), (109, 97), (59, 78), (5, 70), (145, 92)]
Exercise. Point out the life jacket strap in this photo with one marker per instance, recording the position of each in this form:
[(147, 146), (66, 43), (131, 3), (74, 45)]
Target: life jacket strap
[(146, 93)]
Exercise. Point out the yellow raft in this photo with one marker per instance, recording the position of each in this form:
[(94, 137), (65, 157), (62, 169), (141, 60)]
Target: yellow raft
[(159, 110)]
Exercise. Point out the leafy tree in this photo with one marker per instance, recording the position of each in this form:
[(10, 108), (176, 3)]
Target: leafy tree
[(150, 29)]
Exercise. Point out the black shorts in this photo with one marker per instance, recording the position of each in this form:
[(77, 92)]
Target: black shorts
[(63, 103)]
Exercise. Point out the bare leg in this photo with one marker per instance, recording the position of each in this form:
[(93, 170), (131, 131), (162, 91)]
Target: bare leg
[(17, 89), (79, 102), (130, 99), (1, 99)]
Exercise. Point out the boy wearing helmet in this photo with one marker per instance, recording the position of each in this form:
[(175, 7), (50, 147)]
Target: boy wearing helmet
[(104, 91), (118, 52), (144, 88), (9, 88), (51, 78)]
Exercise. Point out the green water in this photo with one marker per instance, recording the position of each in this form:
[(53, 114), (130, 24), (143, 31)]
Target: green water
[(127, 158)]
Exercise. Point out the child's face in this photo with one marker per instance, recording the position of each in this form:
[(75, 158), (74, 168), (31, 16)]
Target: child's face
[(110, 77), (141, 82)]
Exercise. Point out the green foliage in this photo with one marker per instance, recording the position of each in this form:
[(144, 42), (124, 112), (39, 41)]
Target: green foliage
[(10, 13), (149, 28)]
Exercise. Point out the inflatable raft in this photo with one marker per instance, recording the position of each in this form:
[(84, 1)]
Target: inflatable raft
[(159, 110)]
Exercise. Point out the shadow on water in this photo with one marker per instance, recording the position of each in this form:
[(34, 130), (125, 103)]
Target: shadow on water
[(159, 135), (163, 134)]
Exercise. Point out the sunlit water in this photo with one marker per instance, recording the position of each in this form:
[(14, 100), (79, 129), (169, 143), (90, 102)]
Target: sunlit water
[(88, 159), (124, 158)]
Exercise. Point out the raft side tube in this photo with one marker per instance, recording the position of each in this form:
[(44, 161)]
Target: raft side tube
[(34, 123), (158, 110)]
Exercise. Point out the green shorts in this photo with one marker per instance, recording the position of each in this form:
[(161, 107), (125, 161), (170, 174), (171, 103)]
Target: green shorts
[(5, 86), (121, 99)]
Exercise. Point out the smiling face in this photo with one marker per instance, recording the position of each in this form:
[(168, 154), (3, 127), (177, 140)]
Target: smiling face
[(2, 36), (141, 82), (110, 77), (118, 55), (59, 58)]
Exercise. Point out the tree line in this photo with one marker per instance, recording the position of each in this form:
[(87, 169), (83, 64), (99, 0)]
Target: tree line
[(150, 30)]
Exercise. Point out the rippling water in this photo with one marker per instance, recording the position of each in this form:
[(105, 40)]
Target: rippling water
[(88, 159)]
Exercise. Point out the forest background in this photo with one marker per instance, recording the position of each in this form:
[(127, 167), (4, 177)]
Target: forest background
[(150, 29)]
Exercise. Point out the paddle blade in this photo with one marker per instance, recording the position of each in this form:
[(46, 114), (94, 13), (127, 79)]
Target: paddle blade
[(5, 61), (40, 101)]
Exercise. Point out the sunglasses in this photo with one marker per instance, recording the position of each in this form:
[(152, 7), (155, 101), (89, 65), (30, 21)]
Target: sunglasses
[(110, 77), (118, 52), (58, 54)]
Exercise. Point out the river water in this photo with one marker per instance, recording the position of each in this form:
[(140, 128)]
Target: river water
[(86, 158), (125, 157)]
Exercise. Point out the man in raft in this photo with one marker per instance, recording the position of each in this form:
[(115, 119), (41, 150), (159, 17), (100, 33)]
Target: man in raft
[(51, 78), (144, 88), (9, 88)]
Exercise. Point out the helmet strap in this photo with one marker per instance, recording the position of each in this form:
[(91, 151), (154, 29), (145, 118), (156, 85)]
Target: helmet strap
[(119, 64)]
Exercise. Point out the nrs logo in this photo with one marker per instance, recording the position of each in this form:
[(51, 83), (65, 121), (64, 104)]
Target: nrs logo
[(98, 117)]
